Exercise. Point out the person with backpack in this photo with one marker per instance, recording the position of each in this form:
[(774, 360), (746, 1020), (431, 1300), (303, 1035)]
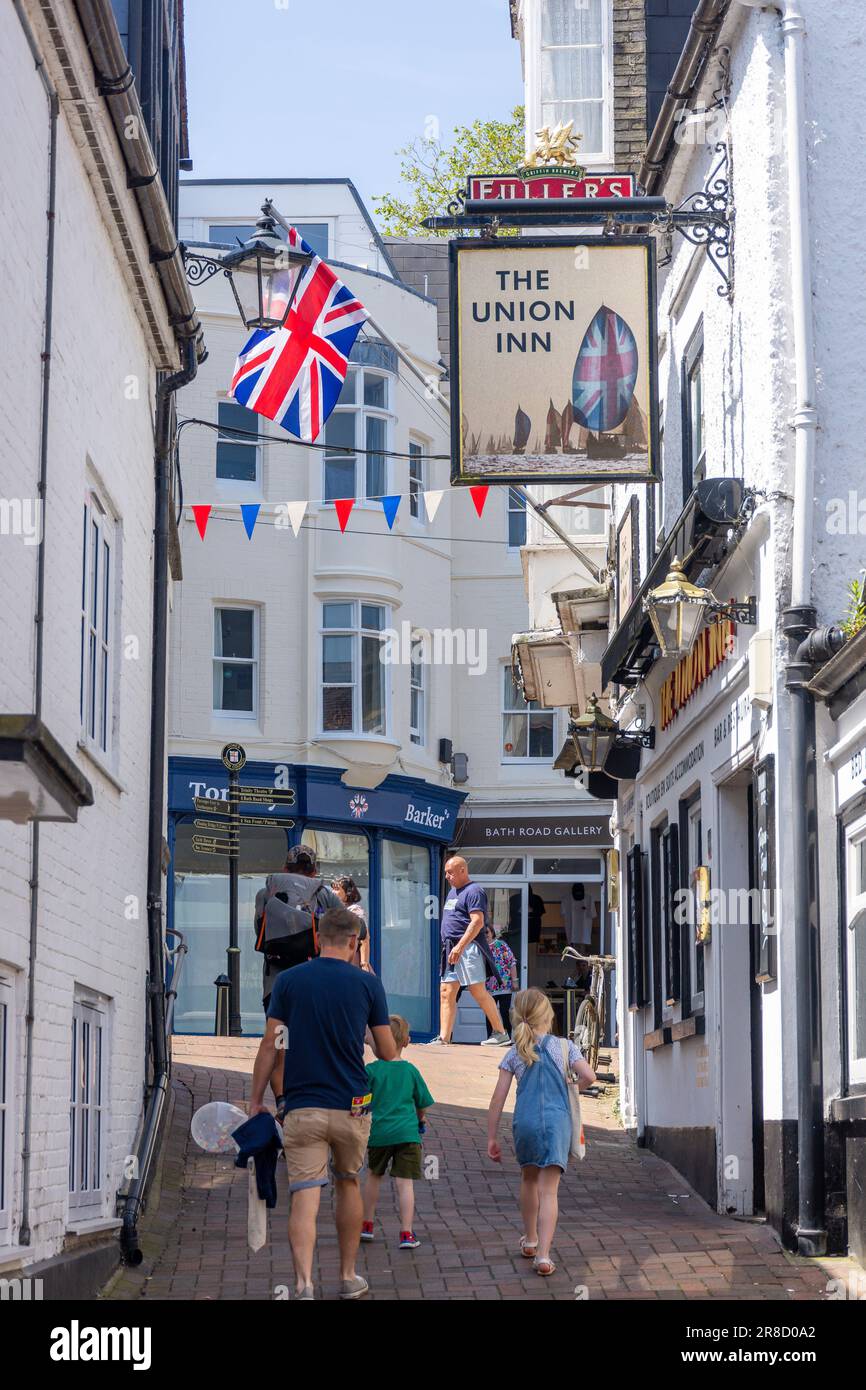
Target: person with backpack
[(286, 915)]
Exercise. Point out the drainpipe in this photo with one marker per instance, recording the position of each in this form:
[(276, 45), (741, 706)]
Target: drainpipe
[(798, 623), (24, 1232), (132, 1202)]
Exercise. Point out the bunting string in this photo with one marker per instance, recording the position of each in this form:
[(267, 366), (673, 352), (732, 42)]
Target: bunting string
[(290, 515)]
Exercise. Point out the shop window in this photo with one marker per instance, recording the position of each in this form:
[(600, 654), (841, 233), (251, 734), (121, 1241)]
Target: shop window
[(201, 913), (353, 677), (98, 597), (7, 1091), (405, 944), (237, 459), (855, 950), (235, 662), (527, 730), (571, 868), (357, 438), (417, 479), (575, 70), (493, 867), (694, 434), (339, 853), (87, 1092)]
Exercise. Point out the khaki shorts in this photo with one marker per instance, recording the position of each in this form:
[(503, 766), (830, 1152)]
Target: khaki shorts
[(311, 1137)]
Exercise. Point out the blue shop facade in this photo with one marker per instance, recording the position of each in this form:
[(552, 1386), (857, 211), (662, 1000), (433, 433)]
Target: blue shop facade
[(391, 841)]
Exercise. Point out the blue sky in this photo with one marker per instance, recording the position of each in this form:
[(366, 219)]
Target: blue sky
[(287, 88)]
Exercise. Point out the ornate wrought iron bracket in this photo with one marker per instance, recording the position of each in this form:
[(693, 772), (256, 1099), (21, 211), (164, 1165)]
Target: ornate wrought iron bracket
[(635, 738), (199, 269), (745, 613), (707, 219)]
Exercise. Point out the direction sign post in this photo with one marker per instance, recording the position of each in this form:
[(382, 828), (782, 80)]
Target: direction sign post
[(234, 757)]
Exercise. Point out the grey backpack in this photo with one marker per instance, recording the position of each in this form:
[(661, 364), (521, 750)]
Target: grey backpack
[(286, 915)]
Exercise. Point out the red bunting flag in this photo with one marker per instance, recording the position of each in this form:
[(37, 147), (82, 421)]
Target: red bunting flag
[(343, 507), (479, 496), (201, 514)]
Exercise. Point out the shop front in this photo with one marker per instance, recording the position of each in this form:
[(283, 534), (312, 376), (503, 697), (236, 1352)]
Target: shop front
[(544, 873), (389, 840)]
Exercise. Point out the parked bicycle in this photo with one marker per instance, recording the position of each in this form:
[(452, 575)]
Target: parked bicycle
[(589, 1024)]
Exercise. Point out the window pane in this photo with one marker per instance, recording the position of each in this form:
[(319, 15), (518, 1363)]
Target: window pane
[(376, 391), (405, 941), (347, 396), (106, 589), (234, 632), (857, 950), (236, 462), (571, 75), (337, 660), (571, 21), (338, 615), (514, 735), (577, 868), (482, 868), (315, 234), (541, 735), (339, 478), (232, 233), (233, 686), (372, 686), (372, 617), (516, 527), (337, 708), (512, 696), (340, 429), (375, 461), (587, 117)]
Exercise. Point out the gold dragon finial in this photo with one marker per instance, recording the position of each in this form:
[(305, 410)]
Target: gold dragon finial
[(554, 146)]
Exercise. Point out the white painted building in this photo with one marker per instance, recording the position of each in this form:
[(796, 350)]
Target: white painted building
[(80, 294), (276, 639), (739, 1029)]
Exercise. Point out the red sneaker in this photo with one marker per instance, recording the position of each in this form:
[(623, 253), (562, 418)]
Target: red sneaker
[(408, 1240), (367, 1230)]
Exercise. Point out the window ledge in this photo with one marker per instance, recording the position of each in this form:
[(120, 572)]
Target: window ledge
[(93, 757), (93, 1225), (14, 1257), (849, 1108)]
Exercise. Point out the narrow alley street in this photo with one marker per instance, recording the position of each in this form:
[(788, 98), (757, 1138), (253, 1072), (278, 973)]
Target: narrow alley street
[(630, 1227)]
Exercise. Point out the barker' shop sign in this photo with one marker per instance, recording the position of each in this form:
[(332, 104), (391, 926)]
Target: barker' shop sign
[(553, 341)]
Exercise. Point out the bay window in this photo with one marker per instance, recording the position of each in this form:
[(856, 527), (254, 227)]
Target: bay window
[(357, 438), (353, 676)]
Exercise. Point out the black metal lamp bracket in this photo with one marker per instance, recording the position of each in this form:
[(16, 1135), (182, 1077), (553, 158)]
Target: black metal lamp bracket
[(745, 613), (707, 219), (200, 269), (636, 738)]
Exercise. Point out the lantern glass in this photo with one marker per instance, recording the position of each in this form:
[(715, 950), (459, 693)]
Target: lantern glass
[(676, 610), (264, 275), (593, 736)]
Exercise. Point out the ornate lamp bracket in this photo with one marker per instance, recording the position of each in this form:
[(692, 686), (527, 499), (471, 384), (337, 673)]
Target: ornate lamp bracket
[(199, 269), (707, 219)]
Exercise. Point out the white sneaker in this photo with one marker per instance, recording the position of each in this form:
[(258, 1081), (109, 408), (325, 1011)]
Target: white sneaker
[(496, 1040), (437, 1042)]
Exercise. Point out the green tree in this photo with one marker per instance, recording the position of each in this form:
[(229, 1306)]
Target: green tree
[(435, 172)]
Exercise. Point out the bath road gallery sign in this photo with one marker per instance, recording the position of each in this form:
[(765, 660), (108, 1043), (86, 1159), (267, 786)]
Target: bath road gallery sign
[(553, 343)]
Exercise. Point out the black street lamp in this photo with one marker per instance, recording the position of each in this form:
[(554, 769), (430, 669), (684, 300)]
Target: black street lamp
[(593, 734), (263, 272)]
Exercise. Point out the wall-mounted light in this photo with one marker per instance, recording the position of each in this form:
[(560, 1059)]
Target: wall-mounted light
[(593, 734), (677, 607)]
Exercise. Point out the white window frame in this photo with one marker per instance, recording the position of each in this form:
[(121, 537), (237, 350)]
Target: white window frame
[(855, 903), (88, 1112), (418, 481), (511, 499), (418, 685), (8, 1110), (508, 759), (254, 660), (99, 616), (590, 158), (356, 632), (240, 488), (362, 413)]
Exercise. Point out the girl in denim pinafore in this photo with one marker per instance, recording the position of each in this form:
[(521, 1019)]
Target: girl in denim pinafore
[(542, 1118)]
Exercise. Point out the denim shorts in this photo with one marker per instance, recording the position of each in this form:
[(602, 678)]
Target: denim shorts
[(471, 968)]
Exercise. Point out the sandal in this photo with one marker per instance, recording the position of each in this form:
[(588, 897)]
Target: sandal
[(544, 1267), (528, 1248)]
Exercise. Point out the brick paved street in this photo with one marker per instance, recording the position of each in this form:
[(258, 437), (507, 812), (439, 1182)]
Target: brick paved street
[(629, 1226)]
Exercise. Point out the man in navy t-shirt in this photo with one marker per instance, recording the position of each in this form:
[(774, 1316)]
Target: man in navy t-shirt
[(318, 1016), (466, 957)]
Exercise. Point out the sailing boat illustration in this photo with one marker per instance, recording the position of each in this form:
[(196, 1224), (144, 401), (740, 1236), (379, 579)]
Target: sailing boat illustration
[(522, 428), (567, 426), (553, 436)]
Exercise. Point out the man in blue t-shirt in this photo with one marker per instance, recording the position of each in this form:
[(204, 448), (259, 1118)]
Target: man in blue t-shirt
[(466, 957), (318, 1015)]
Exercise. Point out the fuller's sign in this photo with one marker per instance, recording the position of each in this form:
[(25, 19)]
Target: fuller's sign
[(714, 645), (553, 355), (549, 183)]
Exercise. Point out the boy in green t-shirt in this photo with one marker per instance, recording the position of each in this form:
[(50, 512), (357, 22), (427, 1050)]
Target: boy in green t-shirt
[(400, 1098)]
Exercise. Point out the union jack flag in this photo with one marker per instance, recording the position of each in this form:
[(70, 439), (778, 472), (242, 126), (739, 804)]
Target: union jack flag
[(605, 373), (294, 374)]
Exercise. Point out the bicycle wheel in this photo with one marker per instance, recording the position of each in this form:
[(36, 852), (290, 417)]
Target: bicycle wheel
[(586, 1031)]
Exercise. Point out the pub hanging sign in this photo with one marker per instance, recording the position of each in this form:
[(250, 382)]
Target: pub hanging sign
[(553, 343), (552, 182)]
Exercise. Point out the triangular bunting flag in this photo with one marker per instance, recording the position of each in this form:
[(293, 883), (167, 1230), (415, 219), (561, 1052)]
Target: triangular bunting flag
[(343, 507), (250, 512), (296, 512), (389, 507), (479, 496), (201, 514), (431, 502)]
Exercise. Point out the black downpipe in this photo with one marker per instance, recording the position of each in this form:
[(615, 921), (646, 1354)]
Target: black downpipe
[(130, 1249)]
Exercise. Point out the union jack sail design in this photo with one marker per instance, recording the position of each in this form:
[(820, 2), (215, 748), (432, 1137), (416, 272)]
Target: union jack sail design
[(605, 373), (294, 374)]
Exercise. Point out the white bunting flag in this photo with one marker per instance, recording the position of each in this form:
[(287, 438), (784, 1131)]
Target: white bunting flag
[(296, 511), (431, 502)]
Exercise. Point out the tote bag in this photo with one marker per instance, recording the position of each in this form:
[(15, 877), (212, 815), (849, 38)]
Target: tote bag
[(577, 1148)]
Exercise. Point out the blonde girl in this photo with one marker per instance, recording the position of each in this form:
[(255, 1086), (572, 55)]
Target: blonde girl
[(542, 1118)]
